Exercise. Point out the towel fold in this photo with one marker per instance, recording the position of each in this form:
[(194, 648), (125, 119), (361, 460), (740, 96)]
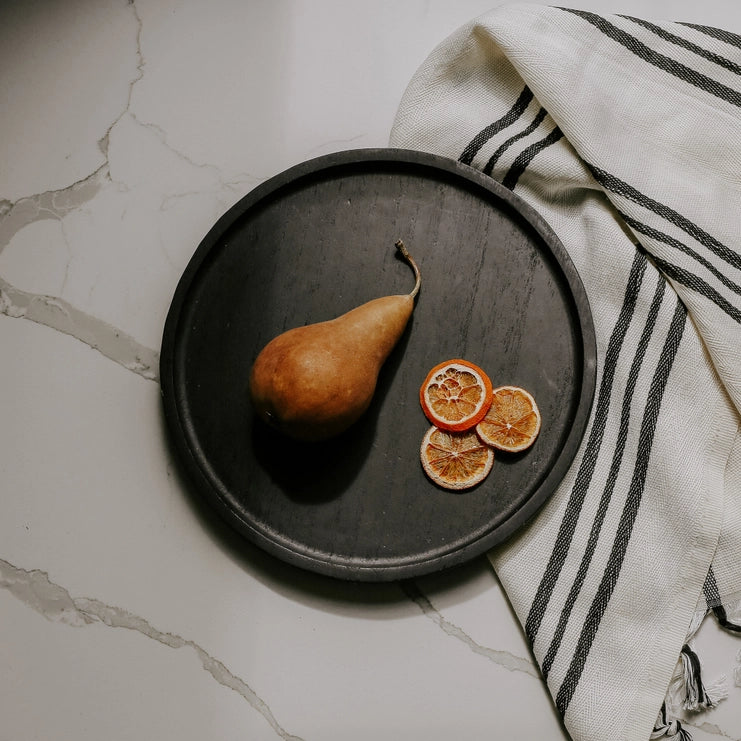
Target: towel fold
[(626, 136)]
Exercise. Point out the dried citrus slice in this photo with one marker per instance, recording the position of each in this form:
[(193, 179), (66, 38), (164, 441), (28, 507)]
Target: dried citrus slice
[(455, 395), (513, 420), (455, 460)]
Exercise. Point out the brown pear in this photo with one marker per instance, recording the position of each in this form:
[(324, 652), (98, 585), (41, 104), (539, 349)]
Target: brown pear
[(313, 382)]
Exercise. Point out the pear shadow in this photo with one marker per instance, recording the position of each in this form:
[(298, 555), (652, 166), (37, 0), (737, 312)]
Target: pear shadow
[(311, 471), (316, 472)]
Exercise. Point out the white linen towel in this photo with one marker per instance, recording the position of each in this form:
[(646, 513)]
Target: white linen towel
[(626, 136)]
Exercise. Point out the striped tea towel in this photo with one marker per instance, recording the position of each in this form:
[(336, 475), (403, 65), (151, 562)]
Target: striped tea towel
[(626, 136)]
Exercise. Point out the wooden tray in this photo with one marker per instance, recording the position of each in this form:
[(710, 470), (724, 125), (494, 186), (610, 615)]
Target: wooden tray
[(498, 289)]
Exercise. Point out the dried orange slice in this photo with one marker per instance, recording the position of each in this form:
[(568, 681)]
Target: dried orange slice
[(513, 420), (455, 460), (455, 395)]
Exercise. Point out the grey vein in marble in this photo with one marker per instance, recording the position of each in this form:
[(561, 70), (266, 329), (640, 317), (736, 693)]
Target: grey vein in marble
[(710, 728), (58, 314), (105, 139), (53, 602), (55, 312), (505, 659), (51, 204)]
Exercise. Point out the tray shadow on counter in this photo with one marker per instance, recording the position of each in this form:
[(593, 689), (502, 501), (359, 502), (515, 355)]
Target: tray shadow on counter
[(381, 600)]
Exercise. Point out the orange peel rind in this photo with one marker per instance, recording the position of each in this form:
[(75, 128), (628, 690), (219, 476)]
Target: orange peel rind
[(455, 395)]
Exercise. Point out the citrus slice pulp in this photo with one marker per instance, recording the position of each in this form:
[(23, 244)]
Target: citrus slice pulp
[(455, 395), (455, 460), (513, 420)]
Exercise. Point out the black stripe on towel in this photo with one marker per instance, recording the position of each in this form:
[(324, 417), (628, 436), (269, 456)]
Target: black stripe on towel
[(685, 44), (527, 155), (658, 236), (692, 281), (620, 187), (712, 597), (662, 62), (522, 102), (630, 509), (612, 476), (542, 113), (710, 589), (591, 452), (717, 33)]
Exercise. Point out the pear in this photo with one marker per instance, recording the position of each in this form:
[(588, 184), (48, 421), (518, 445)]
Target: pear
[(313, 382)]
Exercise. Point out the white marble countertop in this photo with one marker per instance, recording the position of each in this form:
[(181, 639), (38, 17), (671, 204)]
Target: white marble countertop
[(127, 610)]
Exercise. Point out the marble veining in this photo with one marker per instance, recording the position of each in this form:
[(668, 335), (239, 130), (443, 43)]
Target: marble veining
[(505, 659), (55, 603), (60, 315)]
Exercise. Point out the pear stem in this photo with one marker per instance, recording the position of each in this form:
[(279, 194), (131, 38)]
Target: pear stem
[(405, 254)]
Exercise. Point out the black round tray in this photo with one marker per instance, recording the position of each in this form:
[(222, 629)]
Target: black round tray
[(498, 289)]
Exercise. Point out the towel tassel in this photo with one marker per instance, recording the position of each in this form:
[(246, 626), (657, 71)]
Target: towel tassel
[(696, 696), (669, 728), (688, 691)]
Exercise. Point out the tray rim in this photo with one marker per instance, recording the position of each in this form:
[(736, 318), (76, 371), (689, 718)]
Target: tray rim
[(374, 570)]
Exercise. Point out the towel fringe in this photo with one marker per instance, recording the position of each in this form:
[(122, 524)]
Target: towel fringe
[(696, 696), (688, 692), (669, 728)]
